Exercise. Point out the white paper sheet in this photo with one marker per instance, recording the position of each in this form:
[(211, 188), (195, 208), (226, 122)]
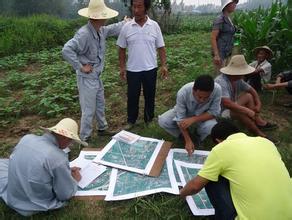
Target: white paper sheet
[(139, 185), (199, 203), (126, 137), (198, 157), (84, 158), (90, 173), (138, 157)]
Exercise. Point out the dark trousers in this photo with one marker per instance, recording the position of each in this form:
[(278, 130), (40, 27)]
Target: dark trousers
[(220, 197), (148, 81), (255, 81)]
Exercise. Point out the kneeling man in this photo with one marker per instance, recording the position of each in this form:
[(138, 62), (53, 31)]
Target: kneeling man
[(196, 103)]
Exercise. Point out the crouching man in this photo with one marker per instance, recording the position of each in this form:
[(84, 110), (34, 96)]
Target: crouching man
[(244, 177), (197, 103), (37, 176)]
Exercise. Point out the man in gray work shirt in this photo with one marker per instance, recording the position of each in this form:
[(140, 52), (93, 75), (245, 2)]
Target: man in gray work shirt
[(86, 53), (37, 176), (196, 103)]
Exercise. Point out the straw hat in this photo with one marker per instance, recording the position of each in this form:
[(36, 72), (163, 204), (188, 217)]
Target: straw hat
[(67, 127), (237, 67), (226, 2), (97, 10), (266, 48)]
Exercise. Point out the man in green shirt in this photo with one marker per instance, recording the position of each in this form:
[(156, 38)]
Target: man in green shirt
[(252, 169)]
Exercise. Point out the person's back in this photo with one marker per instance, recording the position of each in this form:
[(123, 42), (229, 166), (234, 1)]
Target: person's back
[(37, 169), (260, 184)]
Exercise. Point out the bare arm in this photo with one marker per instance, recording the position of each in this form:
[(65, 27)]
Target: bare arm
[(193, 186), (216, 58), (122, 62), (187, 122), (256, 98), (233, 106), (162, 56)]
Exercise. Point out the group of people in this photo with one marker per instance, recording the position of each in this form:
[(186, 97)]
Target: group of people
[(244, 176)]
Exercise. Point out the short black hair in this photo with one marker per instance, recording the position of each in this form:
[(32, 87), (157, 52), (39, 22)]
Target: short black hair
[(147, 4), (204, 83), (223, 129)]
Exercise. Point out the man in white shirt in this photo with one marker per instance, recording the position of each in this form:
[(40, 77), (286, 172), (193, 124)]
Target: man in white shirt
[(142, 36), (263, 69)]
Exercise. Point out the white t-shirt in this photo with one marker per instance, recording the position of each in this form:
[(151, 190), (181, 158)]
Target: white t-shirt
[(266, 67), (142, 43)]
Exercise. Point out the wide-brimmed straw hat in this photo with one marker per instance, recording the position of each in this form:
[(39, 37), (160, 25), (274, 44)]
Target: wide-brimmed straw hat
[(67, 127), (237, 67), (226, 2), (266, 48), (97, 10)]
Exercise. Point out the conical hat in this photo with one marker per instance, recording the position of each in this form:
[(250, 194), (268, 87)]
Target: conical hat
[(67, 127), (97, 10), (237, 66)]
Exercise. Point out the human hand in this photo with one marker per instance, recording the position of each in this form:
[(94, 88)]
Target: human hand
[(268, 86), (87, 68), (250, 113), (185, 123), (75, 173), (217, 60), (123, 75), (190, 147), (164, 72)]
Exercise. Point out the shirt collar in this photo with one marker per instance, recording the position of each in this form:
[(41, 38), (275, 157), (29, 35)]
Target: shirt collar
[(51, 138), (148, 21), (93, 31)]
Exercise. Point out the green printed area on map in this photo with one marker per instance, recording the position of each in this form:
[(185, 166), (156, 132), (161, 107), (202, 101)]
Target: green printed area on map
[(201, 199), (135, 155), (101, 183), (183, 156), (129, 182)]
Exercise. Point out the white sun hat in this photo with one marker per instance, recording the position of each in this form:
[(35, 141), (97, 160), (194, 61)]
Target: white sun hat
[(67, 127), (237, 67), (97, 10), (224, 3)]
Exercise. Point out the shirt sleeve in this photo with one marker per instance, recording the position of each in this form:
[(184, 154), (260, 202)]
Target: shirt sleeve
[(224, 88), (266, 75), (243, 86), (217, 23), (74, 47), (253, 64), (215, 107), (113, 29), (159, 42), (64, 184), (180, 107), (212, 167), (122, 41)]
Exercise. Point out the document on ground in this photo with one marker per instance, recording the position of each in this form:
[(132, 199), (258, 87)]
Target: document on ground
[(138, 157), (198, 203), (128, 185), (198, 157), (99, 185)]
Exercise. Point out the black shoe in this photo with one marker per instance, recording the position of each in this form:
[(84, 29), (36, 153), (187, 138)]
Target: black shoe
[(267, 126), (129, 126), (106, 133)]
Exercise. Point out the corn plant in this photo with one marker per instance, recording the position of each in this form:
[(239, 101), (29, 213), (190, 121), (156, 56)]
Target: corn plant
[(267, 27)]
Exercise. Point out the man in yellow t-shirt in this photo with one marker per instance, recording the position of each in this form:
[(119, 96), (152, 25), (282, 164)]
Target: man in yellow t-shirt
[(252, 169)]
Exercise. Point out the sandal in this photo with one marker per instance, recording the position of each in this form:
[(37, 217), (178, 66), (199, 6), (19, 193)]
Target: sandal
[(268, 126)]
